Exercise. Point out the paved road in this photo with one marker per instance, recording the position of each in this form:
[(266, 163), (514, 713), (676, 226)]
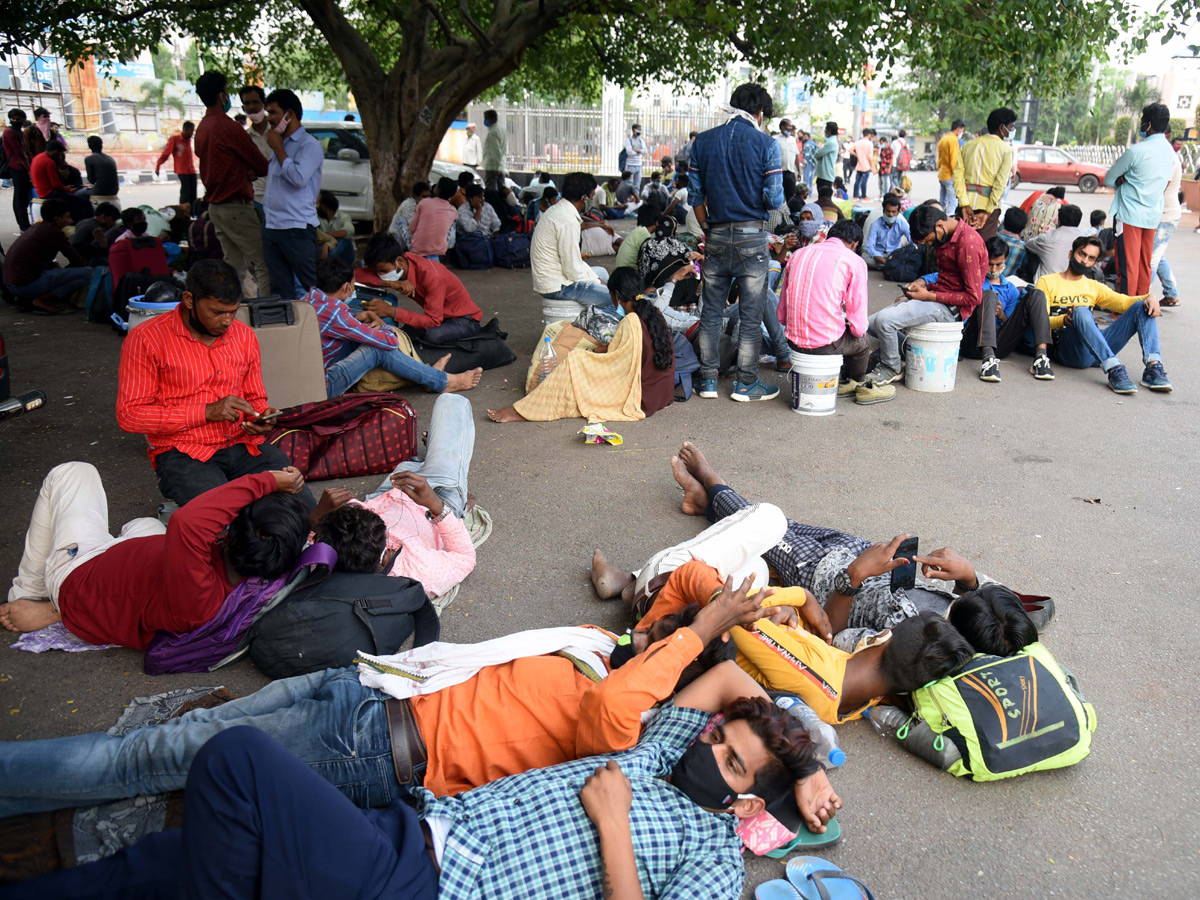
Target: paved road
[(1000, 472)]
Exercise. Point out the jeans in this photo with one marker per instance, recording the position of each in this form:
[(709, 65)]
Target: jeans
[(775, 333), (1159, 267), (22, 195), (734, 253), (947, 197), (328, 719), (291, 256), (182, 478), (447, 455), (587, 293), (1083, 343), (635, 173), (345, 250), (62, 282), (885, 183), (860, 184), (810, 170), (451, 330), (887, 324), (345, 373)]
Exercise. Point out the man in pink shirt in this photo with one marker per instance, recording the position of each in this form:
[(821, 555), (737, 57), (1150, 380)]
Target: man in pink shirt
[(863, 148), (823, 302), (433, 221)]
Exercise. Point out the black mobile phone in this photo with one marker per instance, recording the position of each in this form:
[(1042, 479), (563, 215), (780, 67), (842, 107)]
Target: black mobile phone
[(905, 576), (268, 417)]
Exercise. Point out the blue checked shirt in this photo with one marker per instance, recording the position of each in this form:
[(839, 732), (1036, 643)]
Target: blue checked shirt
[(1016, 253), (528, 835)]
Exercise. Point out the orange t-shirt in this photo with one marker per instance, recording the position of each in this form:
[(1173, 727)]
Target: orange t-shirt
[(540, 711)]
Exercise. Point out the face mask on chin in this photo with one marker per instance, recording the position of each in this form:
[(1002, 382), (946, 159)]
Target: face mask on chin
[(890, 220), (257, 117)]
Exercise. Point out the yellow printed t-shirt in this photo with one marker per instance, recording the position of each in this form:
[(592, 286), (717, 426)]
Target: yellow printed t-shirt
[(1085, 292)]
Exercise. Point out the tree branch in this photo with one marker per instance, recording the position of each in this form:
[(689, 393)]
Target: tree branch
[(473, 26), (355, 54), (452, 39)]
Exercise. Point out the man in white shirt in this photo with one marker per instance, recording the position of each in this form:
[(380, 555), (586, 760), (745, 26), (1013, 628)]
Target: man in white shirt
[(789, 149), (559, 272), (254, 105), (635, 147), (473, 148)]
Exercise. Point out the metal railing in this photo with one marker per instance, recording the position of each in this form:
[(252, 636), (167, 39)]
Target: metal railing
[(1107, 154)]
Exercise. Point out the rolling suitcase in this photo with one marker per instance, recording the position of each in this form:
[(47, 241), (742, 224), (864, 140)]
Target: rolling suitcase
[(289, 340)]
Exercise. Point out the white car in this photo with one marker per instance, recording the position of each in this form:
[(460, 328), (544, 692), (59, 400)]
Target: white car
[(347, 169)]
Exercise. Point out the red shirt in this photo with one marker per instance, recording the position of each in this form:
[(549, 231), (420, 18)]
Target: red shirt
[(44, 172), (181, 149), (15, 149), (438, 292), (229, 161), (962, 267), (167, 377), (166, 582)]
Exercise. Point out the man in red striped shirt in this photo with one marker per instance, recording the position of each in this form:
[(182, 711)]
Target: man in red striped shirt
[(191, 381)]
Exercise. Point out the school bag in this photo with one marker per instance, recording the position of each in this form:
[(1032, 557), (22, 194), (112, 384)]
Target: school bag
[(511, 250), (473, 251), (904, 264), (355, 434), (904, 158), (326, 622), (1008, 715)]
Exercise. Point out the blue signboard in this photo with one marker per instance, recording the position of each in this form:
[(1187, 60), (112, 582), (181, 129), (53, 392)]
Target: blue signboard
[(45, 72), (110, 69)]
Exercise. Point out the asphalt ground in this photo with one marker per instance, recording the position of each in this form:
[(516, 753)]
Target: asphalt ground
[(1007, 474)]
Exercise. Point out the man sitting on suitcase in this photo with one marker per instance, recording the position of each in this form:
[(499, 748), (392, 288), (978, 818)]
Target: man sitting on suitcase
[(191, 381)]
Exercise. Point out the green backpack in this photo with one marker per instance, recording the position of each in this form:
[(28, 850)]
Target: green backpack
[(1009, 715)]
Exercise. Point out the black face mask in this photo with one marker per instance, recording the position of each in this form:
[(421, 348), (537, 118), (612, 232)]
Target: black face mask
[(699, 776), (138, 228), (1077, 268), (197, 325)]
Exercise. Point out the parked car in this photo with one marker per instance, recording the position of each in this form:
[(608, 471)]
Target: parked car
[(1050, 165), (347, 169)]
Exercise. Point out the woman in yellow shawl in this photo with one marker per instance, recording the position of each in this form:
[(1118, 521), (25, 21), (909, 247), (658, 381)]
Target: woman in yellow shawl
[(632, 379)]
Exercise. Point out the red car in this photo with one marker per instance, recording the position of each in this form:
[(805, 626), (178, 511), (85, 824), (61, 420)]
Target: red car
[(1050, 165)]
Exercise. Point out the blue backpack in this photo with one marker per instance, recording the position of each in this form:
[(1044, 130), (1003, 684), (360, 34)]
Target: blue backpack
[(474, 251), (511, 250)]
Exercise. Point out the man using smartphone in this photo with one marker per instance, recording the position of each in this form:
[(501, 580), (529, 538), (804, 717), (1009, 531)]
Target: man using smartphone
[(293, 182)]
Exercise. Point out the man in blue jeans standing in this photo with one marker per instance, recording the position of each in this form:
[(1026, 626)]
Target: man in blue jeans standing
[(290, 203), (735, 179)]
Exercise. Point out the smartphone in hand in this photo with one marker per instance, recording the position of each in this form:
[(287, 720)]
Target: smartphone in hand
[(905, 576), (268, 416)]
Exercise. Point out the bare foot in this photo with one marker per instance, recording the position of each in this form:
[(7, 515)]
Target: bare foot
[(608, 580), (698, 466), (508, 414), (471, 501), (463, 381), (695, 498), (28, 615), (440, 365)]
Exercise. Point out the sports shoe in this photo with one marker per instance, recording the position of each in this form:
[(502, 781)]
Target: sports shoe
[(882, 375), (756, 390), (871, 392), (989, 370), (1118, 380), (708, 389), (1155, 378), (848, 386), (1041, 369)]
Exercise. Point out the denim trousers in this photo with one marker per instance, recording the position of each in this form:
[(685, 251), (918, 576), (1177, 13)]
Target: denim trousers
[(885, 326), (345, 373), (291, 255), (588, 293), (635, 173), (861, 180), (947, 197), (327, 719), (810, 170), (62, 282), (1083, 343), (1159, 267), (734, 253)]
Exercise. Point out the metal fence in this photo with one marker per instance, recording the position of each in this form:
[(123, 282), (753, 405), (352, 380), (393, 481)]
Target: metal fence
[(1107, 154)]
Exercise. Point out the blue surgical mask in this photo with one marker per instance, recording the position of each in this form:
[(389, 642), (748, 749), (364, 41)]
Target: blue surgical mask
[(228, 104), (890, 220), (1142, 133), (487, 124)]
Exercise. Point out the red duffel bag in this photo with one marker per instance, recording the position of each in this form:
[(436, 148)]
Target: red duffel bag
[(355, 434)]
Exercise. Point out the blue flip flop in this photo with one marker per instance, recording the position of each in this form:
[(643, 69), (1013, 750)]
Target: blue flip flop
[(816, 879), (808, 840), (776, 890)]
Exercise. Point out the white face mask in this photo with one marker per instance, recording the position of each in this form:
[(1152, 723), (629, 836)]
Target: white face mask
[(257, 117), (394, 275)]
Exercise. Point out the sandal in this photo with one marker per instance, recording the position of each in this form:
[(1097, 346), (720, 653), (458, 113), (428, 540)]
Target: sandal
[(815, 879), (1173, 301), (808, 840)]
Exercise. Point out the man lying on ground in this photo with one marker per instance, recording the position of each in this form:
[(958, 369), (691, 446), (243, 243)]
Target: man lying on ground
[(125, 589)]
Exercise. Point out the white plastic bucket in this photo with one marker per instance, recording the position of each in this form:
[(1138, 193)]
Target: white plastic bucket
[(560, 310), (141, 312), (815, 383), (931, 356)]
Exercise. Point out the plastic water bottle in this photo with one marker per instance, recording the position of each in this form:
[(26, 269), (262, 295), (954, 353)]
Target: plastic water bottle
[(915, 737), (823, 736), (548, 361)]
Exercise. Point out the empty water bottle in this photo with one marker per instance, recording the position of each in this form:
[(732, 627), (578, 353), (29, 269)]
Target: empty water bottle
[(548, 361), (914, 735), (823, 736)]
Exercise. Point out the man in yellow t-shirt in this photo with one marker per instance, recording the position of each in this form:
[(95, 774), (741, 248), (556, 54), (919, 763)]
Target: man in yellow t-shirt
[(1080, 342), (947, 159)]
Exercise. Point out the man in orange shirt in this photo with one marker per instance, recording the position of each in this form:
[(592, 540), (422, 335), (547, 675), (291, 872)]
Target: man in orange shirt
[(179, 150)]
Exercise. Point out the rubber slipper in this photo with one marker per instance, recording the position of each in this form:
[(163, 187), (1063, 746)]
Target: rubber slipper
[(816, 879), (807, 840), (1165, 302), (776, 890)]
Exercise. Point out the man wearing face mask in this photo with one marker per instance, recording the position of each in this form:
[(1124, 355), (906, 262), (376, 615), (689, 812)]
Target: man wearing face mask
[(887, 233), (293, 181), (982, 173), (635, 147), (254, 105), (229, 161)]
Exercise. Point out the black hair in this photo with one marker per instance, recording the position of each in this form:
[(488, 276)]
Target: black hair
[(847, 230), (267, 536), (53, 208), (130, 214), (626, 175), (1069, 215), (108, 209), (1097, 217), (958, 123), (95, 144), (447, 188), (465, 179), (1015, 220), (187, 125), (656, 174), (693, 134), (287, 101), (752, 98), (627, 285), (18, 112), (209, 87), (666, 161), (717, 652), (993, 620), (474, 190), (40, 111), (789, 185), (890, 200), (922, 649), (1157, 116), (213, 278), (329, 200), (647, 216), (349, 117), (837, 183), (1058, 191), (682, 180), (787, 742), (240, 118), (824, 192), (332, 273), (421, 187), (634, 126), (382, 247), (491, 114), (1001, 116), (996, 248), (549, 194), (903, 133), (578, 185), (615, 179), (922, 221), (1083, 240), (831, 128), (254, 89), (356, 534)]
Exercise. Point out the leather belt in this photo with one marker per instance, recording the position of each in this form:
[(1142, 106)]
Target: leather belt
[(644, 598), (409, 756)]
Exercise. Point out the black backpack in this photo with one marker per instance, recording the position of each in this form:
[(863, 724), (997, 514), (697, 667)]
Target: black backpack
[(326, 622), (905, 264)]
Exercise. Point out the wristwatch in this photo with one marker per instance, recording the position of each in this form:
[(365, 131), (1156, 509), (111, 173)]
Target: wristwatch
[(435, 519), (842, 585)]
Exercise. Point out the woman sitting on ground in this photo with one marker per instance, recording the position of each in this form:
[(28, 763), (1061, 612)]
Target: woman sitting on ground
[(630, 379)]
